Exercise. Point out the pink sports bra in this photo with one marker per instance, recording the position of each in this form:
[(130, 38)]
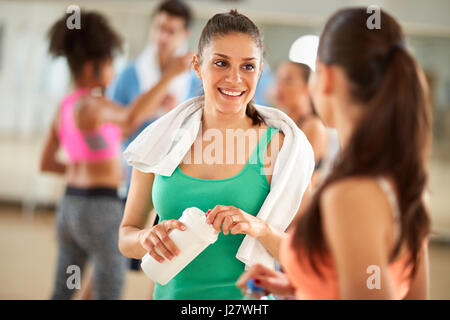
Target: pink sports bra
[(95, 146)]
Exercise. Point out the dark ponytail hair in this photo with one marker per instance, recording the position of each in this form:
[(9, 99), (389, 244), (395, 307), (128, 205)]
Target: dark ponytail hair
[(393, 135), (222, 24), (95, 41)]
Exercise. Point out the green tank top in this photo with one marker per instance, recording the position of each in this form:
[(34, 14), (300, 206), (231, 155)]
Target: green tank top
[(214, 272)]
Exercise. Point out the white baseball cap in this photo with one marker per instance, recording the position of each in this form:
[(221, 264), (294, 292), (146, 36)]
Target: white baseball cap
[(304, 50)]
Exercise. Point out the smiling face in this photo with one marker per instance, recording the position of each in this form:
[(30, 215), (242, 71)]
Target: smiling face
[(229, 68)]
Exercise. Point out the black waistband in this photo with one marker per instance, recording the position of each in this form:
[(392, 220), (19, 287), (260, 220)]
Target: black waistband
[(92, 192)]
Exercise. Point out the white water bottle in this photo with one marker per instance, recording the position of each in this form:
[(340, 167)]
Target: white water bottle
[(191, 242)]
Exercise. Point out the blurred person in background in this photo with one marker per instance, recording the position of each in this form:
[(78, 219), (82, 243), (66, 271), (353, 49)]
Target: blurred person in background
[(89, 128), (365, 233), (169, 33), (292, 96)]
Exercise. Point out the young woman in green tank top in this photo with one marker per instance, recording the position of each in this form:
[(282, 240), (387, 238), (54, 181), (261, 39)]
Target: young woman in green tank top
[(229, 63)]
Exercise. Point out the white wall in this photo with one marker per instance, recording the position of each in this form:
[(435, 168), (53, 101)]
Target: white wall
[(31, 84)]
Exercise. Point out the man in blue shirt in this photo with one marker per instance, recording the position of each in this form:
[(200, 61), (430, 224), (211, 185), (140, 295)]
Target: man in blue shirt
[(163, 64)]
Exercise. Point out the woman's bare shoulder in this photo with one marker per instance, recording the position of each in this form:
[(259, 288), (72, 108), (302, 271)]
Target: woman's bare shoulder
[(313, 125), (356, 214), (355, 200), (351, 188)]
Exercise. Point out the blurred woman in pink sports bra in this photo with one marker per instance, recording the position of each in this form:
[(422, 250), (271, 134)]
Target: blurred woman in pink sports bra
[(89, 128), (364, 233)]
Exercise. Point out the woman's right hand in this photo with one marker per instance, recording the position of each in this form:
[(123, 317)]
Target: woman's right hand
[(271, 281), (157, 237)]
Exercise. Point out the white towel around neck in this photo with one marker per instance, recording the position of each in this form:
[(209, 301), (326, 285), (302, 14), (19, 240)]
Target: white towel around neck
[(161, 147)]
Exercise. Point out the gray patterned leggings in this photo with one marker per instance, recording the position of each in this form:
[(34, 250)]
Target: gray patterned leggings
[(87, 228)]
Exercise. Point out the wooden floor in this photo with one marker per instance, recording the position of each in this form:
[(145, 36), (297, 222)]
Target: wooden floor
[(28, 250)]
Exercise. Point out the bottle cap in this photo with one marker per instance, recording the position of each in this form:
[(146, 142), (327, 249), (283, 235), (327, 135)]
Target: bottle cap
[(253, 287), (197, 223)]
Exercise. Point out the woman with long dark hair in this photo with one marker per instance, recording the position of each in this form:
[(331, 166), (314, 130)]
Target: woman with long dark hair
[(365, 232)]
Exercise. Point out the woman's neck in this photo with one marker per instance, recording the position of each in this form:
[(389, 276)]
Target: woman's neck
[(86, 83), (214, 119)]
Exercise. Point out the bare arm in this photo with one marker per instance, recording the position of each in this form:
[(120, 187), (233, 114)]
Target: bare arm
[(97, 110), (356, 220), (134, 239), (135, 214), (49, 162)]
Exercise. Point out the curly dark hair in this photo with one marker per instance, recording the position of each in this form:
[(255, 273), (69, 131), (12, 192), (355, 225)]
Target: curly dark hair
[(95, 41)]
